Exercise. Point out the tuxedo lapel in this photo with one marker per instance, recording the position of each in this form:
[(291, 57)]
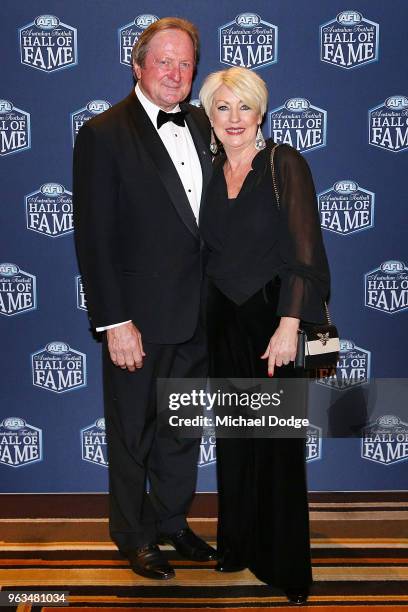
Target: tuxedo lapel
[(203, 151), (155, 148)]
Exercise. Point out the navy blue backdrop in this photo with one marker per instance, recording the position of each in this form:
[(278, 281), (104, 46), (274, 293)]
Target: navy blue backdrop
[(337, 92)]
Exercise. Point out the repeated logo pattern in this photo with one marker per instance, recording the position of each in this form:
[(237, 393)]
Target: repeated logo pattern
[(388, 124), (129, 34), (349, 41), (47, 44), (58, 368), (314, 436), (91, 109), (15, 132), (248, 41), (352, 370), (385, 441), (17, 290), (386, 287), (318, 103), (20, 443), (49, 210), (346, 208), (299, 124), (93, 443)]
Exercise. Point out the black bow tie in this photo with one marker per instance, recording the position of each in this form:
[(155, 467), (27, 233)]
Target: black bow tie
[(177, 118)]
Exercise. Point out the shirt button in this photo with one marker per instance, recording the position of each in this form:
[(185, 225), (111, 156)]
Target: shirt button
[(182, 163), (189, 191)]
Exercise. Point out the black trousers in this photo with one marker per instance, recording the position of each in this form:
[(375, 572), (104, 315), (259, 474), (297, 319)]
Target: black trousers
[(263, 521), (137, 451)]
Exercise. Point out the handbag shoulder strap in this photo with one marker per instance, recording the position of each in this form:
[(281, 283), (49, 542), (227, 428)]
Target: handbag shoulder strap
[(275, 186), (276, 190)]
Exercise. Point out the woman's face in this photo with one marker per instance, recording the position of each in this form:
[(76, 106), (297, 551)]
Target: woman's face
[(235, 123)]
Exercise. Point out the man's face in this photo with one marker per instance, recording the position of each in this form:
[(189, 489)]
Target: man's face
[(168, 69)]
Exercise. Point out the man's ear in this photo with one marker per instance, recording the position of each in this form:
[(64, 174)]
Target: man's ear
[(137, 70)]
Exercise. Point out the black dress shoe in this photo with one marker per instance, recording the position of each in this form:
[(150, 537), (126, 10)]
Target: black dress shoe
[(189, 545), (224, 566), (148, 561), (297, 596)]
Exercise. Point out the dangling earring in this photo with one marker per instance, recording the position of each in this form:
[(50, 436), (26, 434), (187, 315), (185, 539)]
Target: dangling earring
[(259, 140), (213, 145)]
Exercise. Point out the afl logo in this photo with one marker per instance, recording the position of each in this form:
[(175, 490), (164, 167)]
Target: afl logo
[(349, 41), (128, 36), (49, 210), (299, 123), (386, 287), (93, 443), (15, 133), (20, 442), (352, 369), (349, 17), (52, 189), (248, 20), (385, 441), (396, 102), (57, 348), (9, 269), (17, 290), (392, 266), (297, 104), (47, 22), (97, 106), (84, 114), (58, 368), (48, 44), (5, 106), (345, 187), (248, 41), (346, 208), (144, 21), (388, 124), (14, 423), (389, 420)]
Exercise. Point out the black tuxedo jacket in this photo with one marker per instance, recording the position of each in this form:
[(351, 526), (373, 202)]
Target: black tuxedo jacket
[(137, 240)]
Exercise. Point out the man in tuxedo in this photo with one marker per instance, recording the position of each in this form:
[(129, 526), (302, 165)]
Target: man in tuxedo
[(140, 170)]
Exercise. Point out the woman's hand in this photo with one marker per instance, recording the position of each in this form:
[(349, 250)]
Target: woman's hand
[(283, 344)]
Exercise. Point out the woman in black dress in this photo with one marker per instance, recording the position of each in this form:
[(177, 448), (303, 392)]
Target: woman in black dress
[(267, 270)]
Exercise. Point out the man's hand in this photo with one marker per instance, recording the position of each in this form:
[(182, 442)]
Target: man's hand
[(283, 344), (125, 346)]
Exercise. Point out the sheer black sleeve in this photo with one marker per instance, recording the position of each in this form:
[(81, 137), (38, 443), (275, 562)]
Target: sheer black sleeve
[(305, 273)]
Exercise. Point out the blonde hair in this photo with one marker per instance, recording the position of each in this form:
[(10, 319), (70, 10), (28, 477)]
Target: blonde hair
[(244, 83), (141, 46)]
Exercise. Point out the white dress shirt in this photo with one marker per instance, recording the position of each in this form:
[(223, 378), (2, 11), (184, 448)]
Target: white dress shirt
[(182, 152)]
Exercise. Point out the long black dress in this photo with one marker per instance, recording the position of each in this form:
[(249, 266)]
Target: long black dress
[(262, 263)]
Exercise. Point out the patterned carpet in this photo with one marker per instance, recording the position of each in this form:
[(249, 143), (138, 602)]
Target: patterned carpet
[(360, 562)]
